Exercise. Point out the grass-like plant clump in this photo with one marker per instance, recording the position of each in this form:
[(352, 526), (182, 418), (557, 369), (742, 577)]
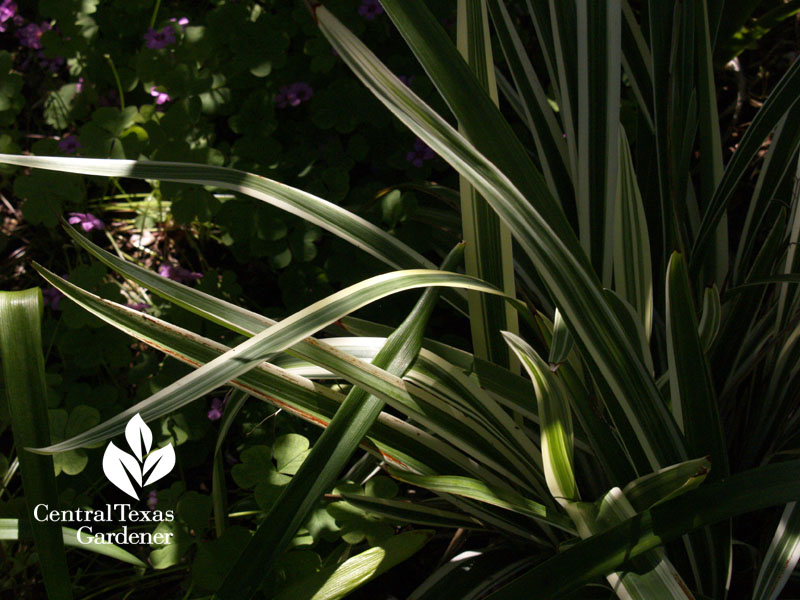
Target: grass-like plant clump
[(592, 393)]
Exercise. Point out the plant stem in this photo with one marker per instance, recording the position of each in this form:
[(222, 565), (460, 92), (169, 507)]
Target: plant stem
[(116, 78), (155, 14)]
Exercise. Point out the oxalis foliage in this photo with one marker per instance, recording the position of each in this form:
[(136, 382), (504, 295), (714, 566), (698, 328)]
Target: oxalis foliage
[(604, 435)]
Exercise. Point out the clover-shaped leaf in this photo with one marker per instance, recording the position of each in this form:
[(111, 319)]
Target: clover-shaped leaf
[(290, 451), (215, 558), (195, 510), (267, 492), (169, 554), (256, 461), (381, 487), (63, 426), (266, 470), (357, 524)]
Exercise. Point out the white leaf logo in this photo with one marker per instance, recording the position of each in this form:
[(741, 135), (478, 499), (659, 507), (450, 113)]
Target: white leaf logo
[(139, 436), (120, 467), (117, 465), (161, 462)]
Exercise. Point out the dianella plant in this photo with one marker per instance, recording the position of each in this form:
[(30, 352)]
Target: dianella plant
[(634, 375)]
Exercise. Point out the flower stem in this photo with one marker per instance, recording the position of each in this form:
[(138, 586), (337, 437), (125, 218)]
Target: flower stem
[(155, 14), (116, 78)]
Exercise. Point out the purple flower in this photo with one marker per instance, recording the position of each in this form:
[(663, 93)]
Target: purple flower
[(152, 500), (69, 145), (51, 64), (420, 153), (157, 39), (370, 9), (178, 274), (161, 97), (406, 79), (30, 36), (7, 11), (87, 221), (140, 306), (183, 21), (217, 406), (79, 85), (293, 94), (52, 297)]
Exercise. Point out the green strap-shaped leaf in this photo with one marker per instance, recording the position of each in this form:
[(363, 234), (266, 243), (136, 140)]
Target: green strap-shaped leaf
[(781, 557), (417, 403), (694, 403), (561, 343), (329, 216), (472, 488), (472, 574), (769, 421), (711, 317), (504, 384), (557, 21), (603, 441), (682, 117), (788, 302), (555, 422), (710, 156), (710, 503), (574, 288), (9, 530), (781, 278), (234, 404), (540, 14), (741, 311), (412, 512), (599, 68), (535, 109), (660, 19), (329, 455), (654, 488), (637, 62), (469, 401), (656, 577), (337, 581), (488, 252), (500, 381), (393, 440), (26, 398), (650, 575), (633, 326), (320, 353), (633, 278), (780, 157), (260, 347), (777, 105), (482, 122)]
